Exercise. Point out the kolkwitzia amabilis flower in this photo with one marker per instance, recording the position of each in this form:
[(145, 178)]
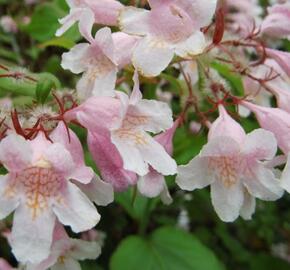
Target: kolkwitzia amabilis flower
[(231, 163), (4, 265), (39, 189), (104, 12), (282, 58), (154, 184), (66, 252), (275, 120), (171, 26), (137, 148), (96, 59)]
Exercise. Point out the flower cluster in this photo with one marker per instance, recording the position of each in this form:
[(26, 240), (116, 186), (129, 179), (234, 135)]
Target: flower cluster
[(49, 187)]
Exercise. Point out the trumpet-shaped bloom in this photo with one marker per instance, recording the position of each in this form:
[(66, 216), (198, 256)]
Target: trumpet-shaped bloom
[(98, 60), (66, 252), (39, 189), (136, 147), (231, 163), (103, 12), (275, 120), (171, 26)]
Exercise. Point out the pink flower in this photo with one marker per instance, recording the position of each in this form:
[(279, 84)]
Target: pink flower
[(277, 21), (154, 184), (171, 26), (103, 12), (136, 147), (8, 24), (96, 59), (66, 252), (231, 164), (99, 59), (39, 189), (275, 120)]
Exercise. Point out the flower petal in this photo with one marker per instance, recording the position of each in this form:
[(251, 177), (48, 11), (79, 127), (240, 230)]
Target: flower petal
[(7, 203), (109, 161), (151, 184), (67, 264), (132, 158), (153, 153), (33, 234), (194, 175), (152, 56), (76, 210), (74, 60), (260, 144), (192, 46), (87, 20), (15, 152), (157, 115), (261, 182), (134, 21), (60, 158), (98, 191), (249, 206), (227, 201), (85, 250)]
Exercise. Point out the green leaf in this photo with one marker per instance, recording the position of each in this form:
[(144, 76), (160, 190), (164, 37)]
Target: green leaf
[(166, 249), (43, 90), (266, 262), (58, 42)]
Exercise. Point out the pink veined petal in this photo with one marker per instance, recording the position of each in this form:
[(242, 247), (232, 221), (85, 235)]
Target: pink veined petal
[(109, 161), (84, 250), (249, 206), (76, 210), (153, 153), (153, 116), (59, 158), (15, 152), (33, 234), (134, 21), (151, 184), (192, 46), (227, 201), (7, 203), (74, 60), (220, 147), (82, 174), (260, 144), (261, 182), (195, 175), (151, 56), (98, 191)]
